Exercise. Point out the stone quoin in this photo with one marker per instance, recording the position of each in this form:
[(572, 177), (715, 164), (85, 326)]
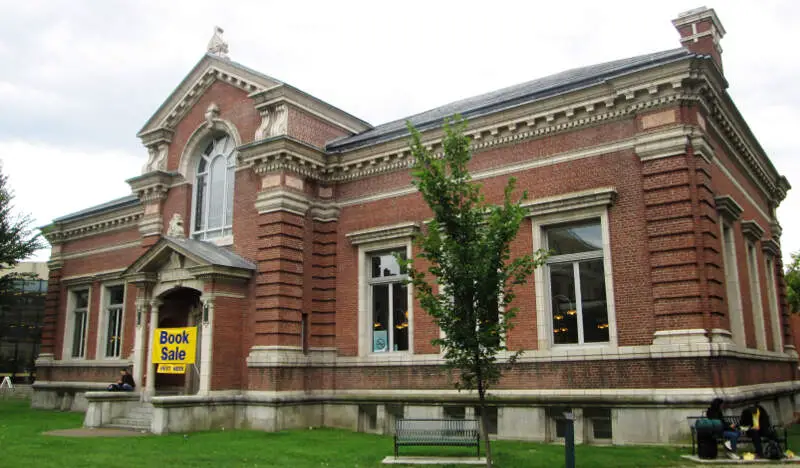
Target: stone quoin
[(267, 218)]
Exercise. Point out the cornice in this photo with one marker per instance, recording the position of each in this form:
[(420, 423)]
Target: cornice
[(283, 153), (284, 93), (752, 230), (58, 233), (384, 233), (603, 196), (282, 200), (100, 276), (728, 208), (152, 186), (770, 247)]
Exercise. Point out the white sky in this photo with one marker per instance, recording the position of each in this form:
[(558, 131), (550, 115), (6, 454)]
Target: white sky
[(78, 79)]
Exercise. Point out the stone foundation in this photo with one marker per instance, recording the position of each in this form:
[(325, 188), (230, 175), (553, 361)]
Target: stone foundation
[(63, 396), (601, 417)]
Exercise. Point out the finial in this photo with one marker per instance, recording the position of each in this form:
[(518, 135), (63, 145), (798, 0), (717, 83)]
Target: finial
[(217, 46)]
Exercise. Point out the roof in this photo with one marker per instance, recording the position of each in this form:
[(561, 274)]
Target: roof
[(119, 203), (210, 253), (524, 93)]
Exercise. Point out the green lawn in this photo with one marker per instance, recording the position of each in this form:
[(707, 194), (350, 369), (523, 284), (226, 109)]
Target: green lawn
[(22, 444)]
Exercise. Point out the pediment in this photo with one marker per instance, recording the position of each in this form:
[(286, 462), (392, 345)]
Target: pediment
[(207, 71), (180, 257)]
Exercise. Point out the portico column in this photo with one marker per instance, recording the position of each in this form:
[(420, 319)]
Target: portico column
[(151, 373), (206, 345), (138, 343)]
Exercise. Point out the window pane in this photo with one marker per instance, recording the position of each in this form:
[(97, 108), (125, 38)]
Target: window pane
[(384, 265), (116, 294), (575, 238), (81, 299), (593, 301), (400, 311), (114, 331), (229, 197), (78, 334), (380, 318), (201, 166), (562, 293), (199, 201), (216, 192)]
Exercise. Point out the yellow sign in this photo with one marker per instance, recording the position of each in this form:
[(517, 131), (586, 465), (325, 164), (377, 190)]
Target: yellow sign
[(172, 368), (174, 345)]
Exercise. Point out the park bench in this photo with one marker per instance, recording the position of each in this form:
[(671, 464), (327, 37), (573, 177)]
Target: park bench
[(437, 432), (779, 431)]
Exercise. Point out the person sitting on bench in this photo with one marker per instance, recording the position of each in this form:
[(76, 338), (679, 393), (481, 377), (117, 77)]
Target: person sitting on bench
[(125, 382), (754, 422), (729, 432)]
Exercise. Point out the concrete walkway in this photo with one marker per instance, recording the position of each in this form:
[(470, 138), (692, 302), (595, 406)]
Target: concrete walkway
[(434, 461), (91, 432)]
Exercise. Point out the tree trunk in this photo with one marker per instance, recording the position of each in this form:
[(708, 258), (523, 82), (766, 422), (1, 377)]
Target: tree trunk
[(483, 422)]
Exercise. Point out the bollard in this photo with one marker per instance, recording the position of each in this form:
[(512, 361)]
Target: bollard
[(569, 440)]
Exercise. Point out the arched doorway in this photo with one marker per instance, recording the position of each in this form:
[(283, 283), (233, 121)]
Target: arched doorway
[(180, 307)]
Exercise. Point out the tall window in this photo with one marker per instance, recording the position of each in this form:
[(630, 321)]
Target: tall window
[(755, 297), (775, 318), (80, 312), (389, 301), (577, 283), (114, 307), (213, 194)]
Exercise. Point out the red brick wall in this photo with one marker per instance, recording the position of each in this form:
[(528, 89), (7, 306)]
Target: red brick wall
[(234, 106), (310, 129)]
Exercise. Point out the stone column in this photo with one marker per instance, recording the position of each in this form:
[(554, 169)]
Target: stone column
[(151, 373), (139, 352), (206, 344)]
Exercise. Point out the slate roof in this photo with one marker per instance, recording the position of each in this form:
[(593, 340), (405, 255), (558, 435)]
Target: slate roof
[(211, 253), (119, 203), (560, 83)]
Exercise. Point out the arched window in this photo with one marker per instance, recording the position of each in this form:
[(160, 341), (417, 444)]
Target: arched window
[(213, 192)]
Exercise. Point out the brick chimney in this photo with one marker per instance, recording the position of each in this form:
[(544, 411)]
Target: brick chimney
[(701, 32)]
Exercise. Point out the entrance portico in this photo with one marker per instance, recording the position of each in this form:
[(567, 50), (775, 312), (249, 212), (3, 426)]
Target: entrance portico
[(178, 280)]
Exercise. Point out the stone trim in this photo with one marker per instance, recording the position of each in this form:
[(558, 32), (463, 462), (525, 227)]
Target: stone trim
[(57, 233), (116, 362), (282, 200), (283, 94), (100, 276), (752, 231), (325, 212), (603, 196), (90, 252), (663, 144), (152, 186), (284, 153), (728, 208), (770, 247), (384, 233)]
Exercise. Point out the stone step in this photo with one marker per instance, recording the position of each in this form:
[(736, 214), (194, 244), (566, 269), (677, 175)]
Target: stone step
[(127, 428), (145, 412), (139, 423)]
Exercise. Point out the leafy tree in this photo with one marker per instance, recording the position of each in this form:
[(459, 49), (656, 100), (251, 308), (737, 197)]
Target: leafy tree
[(18, 241), (792, 277), (466, 249)]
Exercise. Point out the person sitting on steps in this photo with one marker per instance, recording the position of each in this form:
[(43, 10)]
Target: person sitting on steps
[(125, 382)]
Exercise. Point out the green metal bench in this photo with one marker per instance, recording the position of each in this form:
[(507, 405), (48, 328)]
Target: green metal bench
[(437, 432)]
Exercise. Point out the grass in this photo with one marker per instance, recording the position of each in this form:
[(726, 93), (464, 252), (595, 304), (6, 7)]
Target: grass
[(22, 443)]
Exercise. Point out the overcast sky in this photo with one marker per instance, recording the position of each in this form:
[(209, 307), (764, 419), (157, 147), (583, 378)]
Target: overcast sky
[(78, 79)]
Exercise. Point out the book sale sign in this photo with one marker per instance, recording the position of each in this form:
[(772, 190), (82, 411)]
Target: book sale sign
[(174, 349)]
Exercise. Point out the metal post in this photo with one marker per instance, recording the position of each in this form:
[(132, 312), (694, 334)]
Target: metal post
[(569, 440)]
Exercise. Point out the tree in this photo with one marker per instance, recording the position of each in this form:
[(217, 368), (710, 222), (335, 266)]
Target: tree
[(467, 249), (792, 278), (18, 241)]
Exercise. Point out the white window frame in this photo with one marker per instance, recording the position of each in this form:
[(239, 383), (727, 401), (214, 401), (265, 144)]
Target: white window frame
[(102, 330), (732, 292), (544, 319), (756, 306), (774, 312), (69, 322), (202, 234), (365, 253)]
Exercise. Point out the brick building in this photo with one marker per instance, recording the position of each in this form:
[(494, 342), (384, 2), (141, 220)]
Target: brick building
[(266, 217)]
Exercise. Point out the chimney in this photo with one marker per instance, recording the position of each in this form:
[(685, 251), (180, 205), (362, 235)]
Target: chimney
[(701, 32)]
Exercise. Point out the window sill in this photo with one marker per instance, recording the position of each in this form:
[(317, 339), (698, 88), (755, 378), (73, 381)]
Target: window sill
[(218, 241)]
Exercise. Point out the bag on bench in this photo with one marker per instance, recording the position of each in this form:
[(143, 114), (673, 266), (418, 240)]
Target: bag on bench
[(772, 449)]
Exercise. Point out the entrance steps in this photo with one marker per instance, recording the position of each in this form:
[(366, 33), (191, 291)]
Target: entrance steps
[(137, 419)]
